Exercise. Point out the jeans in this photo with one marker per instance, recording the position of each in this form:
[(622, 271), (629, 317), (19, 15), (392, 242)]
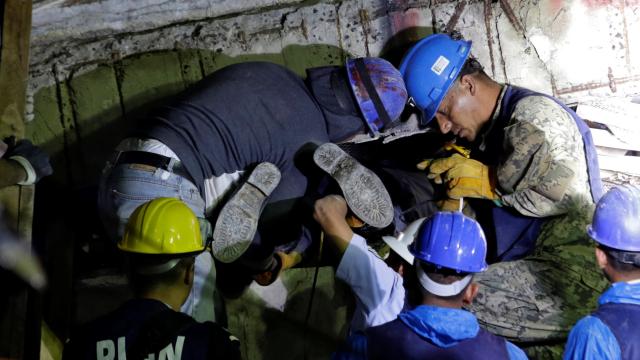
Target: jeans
[(125, 187)]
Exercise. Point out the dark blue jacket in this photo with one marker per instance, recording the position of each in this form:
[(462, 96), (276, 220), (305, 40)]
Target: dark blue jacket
[(254, 112), (145, 326), (430, 332)]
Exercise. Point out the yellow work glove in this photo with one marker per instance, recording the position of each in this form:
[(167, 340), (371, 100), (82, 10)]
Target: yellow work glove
[(464, 177)]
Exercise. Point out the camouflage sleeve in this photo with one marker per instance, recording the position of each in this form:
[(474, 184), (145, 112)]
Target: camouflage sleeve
[(543, 156)]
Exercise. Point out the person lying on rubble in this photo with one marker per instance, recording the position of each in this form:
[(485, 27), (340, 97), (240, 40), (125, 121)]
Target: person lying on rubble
[(237, 148)]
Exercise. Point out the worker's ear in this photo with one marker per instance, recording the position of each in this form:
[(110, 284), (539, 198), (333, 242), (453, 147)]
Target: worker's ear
[(189, 274), (401, 268), (601, 258), (470, 293), (468, 84)]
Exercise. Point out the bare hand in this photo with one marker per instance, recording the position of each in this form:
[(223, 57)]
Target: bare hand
[(330, 212)]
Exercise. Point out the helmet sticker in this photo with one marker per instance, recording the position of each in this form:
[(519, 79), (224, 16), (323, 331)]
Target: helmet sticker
[(440, 64)]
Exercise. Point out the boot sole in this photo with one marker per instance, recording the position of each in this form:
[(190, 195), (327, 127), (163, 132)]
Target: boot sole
[(238, 220), (363, 190)]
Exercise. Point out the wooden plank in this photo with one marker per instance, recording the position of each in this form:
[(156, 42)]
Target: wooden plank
[(17, 201), (615, 112), (619, 115), (624, 164), (606, 139), (610, 151), (14, 66)]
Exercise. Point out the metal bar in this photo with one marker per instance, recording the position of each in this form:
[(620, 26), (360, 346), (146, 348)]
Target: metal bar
[(597, 85)]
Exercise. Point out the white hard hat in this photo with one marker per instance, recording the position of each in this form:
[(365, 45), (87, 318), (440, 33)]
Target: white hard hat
[(400, 244)]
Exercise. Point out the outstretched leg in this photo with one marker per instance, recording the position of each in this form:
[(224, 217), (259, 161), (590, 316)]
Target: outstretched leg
[(238, 220), (363, 190)]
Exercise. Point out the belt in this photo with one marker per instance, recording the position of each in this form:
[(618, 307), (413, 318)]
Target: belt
[(151, 159)]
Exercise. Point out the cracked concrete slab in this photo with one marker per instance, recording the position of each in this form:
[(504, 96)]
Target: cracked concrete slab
[(558, 35), (57, 20)]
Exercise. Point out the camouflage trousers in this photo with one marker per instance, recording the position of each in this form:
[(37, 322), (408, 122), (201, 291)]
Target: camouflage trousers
[(540, 297)]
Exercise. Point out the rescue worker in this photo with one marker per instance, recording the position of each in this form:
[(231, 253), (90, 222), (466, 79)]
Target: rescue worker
[(161, 240), (377, 284), (257, 118), (532, 180), (612, 332), (21, 163), (448, 249)]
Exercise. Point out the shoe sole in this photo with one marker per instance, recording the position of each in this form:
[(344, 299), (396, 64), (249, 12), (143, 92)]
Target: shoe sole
[(238, 220), (363, 190)]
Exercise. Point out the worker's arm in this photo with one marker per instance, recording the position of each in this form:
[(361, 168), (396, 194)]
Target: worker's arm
[(24, 164), (11, 173), (544, 167), (330, 212), (378, 288)]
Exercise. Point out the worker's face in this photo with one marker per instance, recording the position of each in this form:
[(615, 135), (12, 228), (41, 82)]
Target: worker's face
[(458, 111)]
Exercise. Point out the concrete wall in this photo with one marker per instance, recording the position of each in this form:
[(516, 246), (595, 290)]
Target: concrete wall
[(140, 51), (97, 66), (565, 47)]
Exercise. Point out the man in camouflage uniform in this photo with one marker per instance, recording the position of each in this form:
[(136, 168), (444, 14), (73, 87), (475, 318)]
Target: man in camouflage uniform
[(532, 183)]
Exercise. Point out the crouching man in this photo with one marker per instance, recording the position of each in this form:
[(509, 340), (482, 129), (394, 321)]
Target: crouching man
[(447, 249), (161, 240)]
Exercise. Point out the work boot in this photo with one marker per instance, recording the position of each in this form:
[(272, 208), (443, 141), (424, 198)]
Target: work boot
[(238, 220), (363, 190)]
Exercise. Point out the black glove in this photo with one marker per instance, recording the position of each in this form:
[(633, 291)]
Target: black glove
[(34, 161)]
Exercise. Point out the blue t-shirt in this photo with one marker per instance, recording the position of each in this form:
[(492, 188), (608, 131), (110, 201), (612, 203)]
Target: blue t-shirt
[(140, 322), (254, 112), (245, 114)]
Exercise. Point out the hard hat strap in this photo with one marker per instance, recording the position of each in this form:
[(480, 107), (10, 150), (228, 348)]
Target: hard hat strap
[(631, 258), (438, 289), (383, 116), (157, 269), (206, 231)]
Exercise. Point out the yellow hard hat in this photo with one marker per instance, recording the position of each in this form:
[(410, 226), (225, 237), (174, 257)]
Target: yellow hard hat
[(163, 226)]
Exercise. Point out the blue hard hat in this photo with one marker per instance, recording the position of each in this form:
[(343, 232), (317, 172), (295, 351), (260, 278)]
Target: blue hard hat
[(451, 240), (616, 221), (430, 67), (379, 91)]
